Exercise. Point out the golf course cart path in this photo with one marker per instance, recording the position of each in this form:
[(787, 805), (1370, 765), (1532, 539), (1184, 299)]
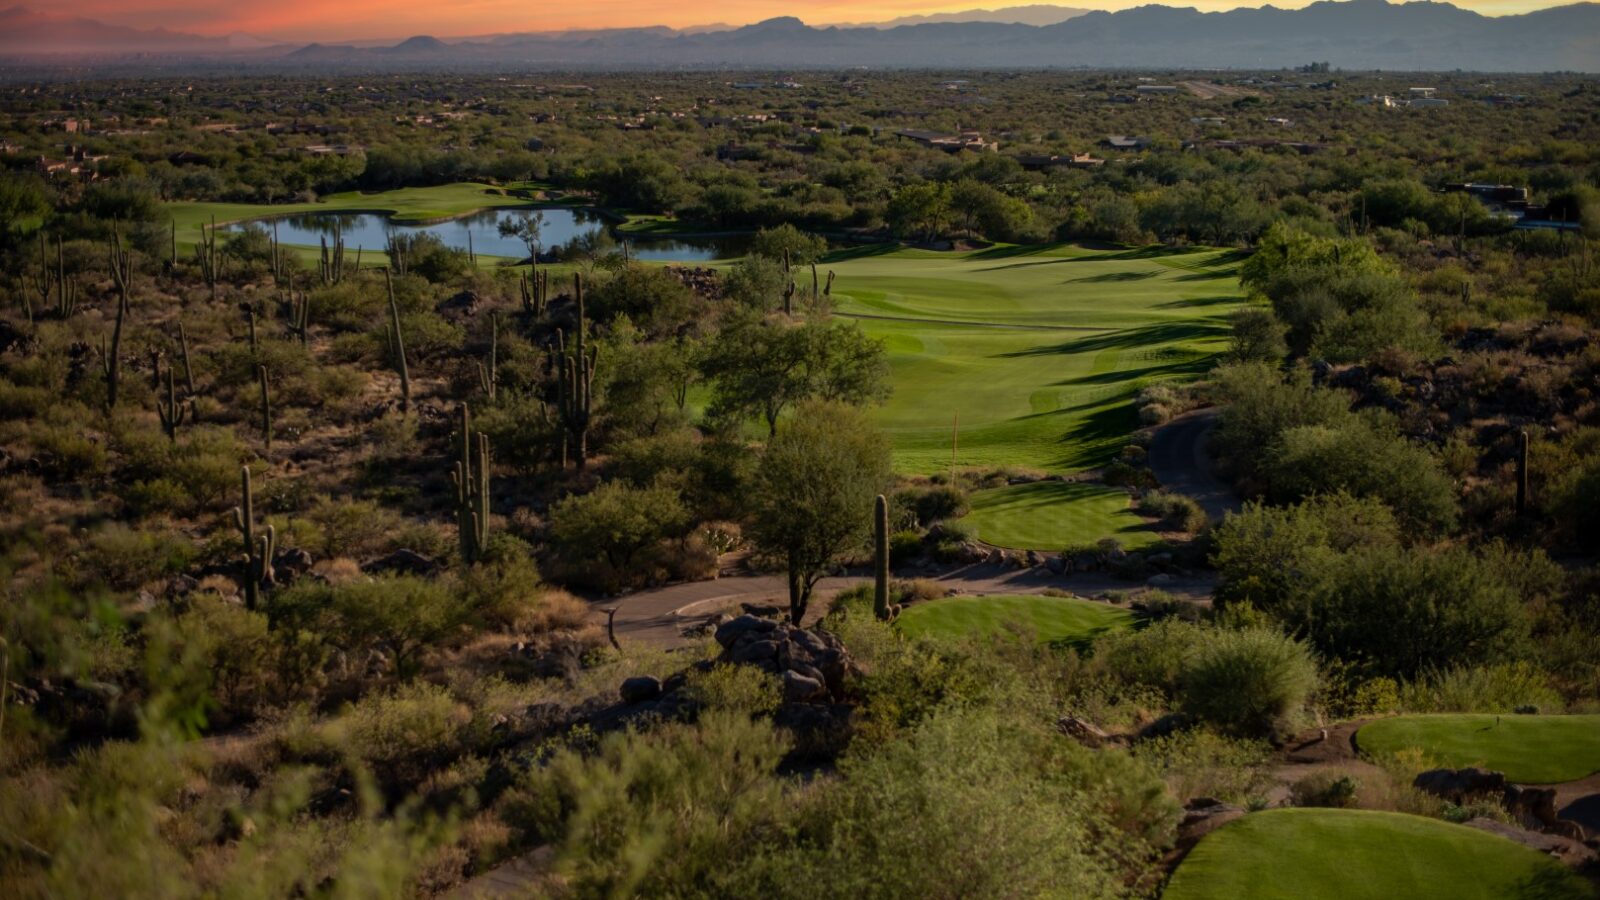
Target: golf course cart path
[(659, 616), (1182, 464)]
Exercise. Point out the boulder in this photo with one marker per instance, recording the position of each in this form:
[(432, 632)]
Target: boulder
[(1056, 564), (1082, 730), (754, 651), (798, 688), (1457, 784), (290, 564), (1563, 848), (640, 689), (402, 562), (1534, 806), (734, 628)]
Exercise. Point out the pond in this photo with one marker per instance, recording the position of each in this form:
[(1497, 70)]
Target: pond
[(370, 232)]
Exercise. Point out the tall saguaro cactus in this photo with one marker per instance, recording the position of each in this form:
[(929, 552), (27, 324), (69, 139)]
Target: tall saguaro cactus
[(575, 368), (489, 370), (111, 357), (258, 548), (206, 255), (172, 412), (1522, 471), (397, 345), (881, 607), (266, 407), (331, 264), (471, 477), (535, 288)]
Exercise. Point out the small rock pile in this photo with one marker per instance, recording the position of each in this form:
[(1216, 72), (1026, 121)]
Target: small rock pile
[(813, 665), (703, 281)]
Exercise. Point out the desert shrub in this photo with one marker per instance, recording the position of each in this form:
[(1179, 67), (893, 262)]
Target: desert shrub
[(125, 558), (1159, 605), (1347, 694), (353, 528), (520, 428), (612, 525), (1263, 552), (1325, 789), (1198, 762), (240, 654), (973, 804), (740, 689), (401, 616), (658, 813), (503, 587), (1176, 512), (1401, 612), (1366, 460), (401, 734), (1252, 682), (1498, 688), (1154, 657), (904, 546), (938, 503)]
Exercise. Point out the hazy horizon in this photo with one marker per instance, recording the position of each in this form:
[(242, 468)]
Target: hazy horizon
[(320, 20)]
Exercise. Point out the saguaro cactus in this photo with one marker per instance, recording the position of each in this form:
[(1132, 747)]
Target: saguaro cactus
[(331, 264), (471, 477), (258, 549), (206, 255), (111, 357), (827, 289), (488, 370), (1522, 471), (575, 368), (172, 412), (397, 345), (183, 348), (266, 407), (881, 607), (535, 291), (299, 313)]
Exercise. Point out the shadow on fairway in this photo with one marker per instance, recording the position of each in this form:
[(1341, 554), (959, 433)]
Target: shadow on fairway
[(1111, 277), (1143, 336), (1015, 250), (860, 251), (1199, 302), (1194, 367)]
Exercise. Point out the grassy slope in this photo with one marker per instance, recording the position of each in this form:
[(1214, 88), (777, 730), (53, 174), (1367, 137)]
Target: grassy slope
[(1039, 350), (1338, 854), (1051, 515), (1529, 749), (1053, 619)]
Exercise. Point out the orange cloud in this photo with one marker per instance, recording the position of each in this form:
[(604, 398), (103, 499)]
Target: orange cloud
[(325, 20)]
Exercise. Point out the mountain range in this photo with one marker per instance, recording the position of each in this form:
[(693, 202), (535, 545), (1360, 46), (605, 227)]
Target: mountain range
[(1352, 34)]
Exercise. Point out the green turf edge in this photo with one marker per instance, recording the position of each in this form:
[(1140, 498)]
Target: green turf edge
[(1055, 620), (1529, 749), (1348, 854)]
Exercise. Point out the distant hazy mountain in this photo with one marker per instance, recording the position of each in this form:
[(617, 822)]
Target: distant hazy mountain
[(1036, 14), (30, 32), (1355, 34)]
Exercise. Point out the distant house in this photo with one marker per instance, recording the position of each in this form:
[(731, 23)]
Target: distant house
[(1208, 120), (1427, 103), (332, 150), (1279, 121), (948, 142), (1125, 142), (1036, 161), (1420, 93), (1150, 89)]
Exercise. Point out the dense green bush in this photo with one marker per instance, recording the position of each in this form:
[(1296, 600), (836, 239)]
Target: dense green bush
[(1252, 682), (1499, 688)]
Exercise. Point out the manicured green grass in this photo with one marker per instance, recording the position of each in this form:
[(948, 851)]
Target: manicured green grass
[(1039, 351), (1343, 854), (1052, 515), (1529, 749), (1054, 619), (405, 205)]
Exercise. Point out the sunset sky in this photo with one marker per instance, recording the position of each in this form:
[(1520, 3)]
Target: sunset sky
[(324, 20)]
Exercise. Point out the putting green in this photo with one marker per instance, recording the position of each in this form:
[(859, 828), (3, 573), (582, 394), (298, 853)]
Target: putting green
[(1529, 749), (1053, 515), (1053, 619), (1031, 356), (1348, 854)]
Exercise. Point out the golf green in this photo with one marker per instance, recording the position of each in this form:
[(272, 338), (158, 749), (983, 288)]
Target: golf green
[(1053, 619), (1054, 515), (1529, 749), (1347, 854), (1030, 356)]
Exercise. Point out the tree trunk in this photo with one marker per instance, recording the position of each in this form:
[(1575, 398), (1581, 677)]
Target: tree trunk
[(799, 593)]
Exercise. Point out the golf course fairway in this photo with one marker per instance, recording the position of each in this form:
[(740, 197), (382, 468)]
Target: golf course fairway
[(1030, 357), (1350, 854)]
